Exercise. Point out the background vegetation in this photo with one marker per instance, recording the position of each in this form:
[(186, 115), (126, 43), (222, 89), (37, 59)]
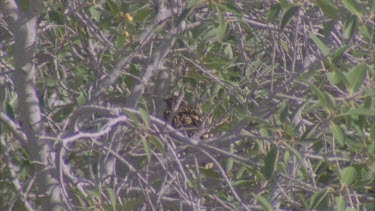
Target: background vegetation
[(285, 88)]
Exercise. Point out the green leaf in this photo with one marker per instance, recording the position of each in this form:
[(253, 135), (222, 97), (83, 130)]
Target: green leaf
[(352, 6), (323, 98), (331, 101), (270, 162), (157, 143), (147, 149), (338, 133), (56, 16), (350, 27), (241, 171), (184, 14), (264, 202), (348, 175), (144, 116), (113, 7), (273, 13), (228, 51), (192, 3), (340, 203), (322, 47), (229, 162), (337, 55), (341, 77), (283, 112), (210, 173), (132, 204), (221, 29), (242, 183), (24, 4), (95, 13), (359, 111), (112, 197), (357, 75), (365, 31), (328, 8), (229, 7), (9, 110), (299, 157), (287, 16), (317, 199)]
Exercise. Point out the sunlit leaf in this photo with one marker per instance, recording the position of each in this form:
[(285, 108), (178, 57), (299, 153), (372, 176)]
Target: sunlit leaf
[(357, 76), (95, 13), (221, 28), (320, 44), (243, 183), (348, 175), (144, 116), (340, 203), (228, 51)]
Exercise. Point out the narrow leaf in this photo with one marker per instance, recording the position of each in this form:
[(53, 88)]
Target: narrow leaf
[(338, 133), (192, 3), (283, 112), (360, 111), (350, 27), (322, 47), (337, 55), (328, 8), (229, 162), (318, 198), (112, 197), (287, 16), (229, 7), (264, 202), (157, 143), (147, 149), (357, 75), (228, 51), (270, 162), (144, 116), (273, 13), (352, 6)]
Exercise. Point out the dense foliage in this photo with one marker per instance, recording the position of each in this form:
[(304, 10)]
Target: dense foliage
[(285, 90)]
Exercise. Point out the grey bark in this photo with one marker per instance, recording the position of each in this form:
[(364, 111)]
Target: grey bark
[(22, 20)]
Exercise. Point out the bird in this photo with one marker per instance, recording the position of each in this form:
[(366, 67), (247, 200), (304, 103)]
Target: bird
[(183, 116)]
